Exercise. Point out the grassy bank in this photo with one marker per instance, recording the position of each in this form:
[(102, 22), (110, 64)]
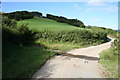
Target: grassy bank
[(66, 40), (42, 24), (22, 61), (109, 60), (63, 46)]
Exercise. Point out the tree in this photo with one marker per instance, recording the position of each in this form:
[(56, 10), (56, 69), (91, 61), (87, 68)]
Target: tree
[(38, 14), (27, 36), (8, 22), (19, 15)]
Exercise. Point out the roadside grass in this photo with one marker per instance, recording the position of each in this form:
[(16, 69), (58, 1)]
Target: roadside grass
[(63, 46), (109, 60), (42, 24), (22, 61), (112, 36)]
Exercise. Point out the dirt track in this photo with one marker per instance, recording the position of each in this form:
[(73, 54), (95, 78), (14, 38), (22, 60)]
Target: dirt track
[(78, 63)]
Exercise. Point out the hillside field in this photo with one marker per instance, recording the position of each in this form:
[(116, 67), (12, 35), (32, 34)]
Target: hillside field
[(42, 24)]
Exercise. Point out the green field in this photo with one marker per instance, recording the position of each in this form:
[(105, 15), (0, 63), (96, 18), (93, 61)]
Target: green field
[(41, 24)]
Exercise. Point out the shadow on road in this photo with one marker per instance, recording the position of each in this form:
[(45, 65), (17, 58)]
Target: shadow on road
[(81, 56)]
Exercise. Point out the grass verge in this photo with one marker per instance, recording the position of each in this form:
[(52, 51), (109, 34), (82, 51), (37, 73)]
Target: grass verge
[(22, 61), (109, 60), (63, 46)]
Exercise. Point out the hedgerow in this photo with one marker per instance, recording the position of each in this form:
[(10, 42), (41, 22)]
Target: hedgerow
[(83, 37)]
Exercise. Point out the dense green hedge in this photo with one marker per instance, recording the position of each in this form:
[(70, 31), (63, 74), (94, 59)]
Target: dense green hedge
[(20, 15), (9, 35), (61, 19), (83, 37), (110, 32), (21, 36)]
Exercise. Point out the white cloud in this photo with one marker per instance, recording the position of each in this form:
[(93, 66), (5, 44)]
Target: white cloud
[(109, 8), (98, 5), (95, 3)]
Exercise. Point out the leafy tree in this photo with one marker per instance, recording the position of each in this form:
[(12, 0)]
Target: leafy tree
[(38, 14), (21, 36), (8, 22), (19, 15), (27, 36)]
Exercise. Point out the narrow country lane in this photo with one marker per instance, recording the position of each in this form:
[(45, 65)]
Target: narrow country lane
[(78, 63)]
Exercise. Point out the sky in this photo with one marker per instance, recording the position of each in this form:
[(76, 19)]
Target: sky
[(102, 14)]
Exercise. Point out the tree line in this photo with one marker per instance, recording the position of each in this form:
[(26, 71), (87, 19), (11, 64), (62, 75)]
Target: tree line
[(61, 19), (21, 15)]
